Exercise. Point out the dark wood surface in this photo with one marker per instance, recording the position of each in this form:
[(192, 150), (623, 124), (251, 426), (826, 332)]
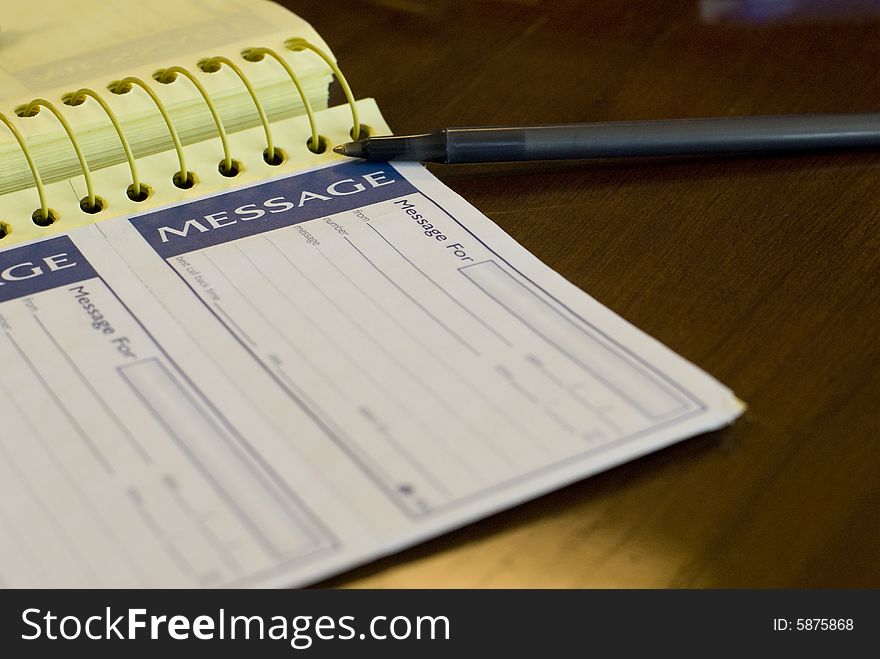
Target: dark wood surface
[(761, 270)]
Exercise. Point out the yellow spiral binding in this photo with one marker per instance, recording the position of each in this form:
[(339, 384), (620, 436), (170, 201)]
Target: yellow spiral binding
[(139, 191), (136, 192), (169, 75), (212, 65), (184, 178), (90, 204), (46, 213), (297, 44), (257, 55)]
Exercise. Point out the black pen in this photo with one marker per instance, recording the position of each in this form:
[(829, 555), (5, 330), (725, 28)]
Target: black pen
[(620, 139)]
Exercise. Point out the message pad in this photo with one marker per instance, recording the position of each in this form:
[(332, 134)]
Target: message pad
[(267, 386)]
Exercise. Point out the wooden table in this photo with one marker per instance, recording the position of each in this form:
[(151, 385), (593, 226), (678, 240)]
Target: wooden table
[(764, 271)]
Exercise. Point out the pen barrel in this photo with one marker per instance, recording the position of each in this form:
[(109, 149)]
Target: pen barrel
[(426, 147), (663, 138)]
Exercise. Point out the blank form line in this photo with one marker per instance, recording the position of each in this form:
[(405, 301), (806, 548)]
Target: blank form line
[(414, 301), (54, 523), (538, 364), (136, 445), (199, 522), (237, 327), (206, 473), (365, 372), (443, 290), (565, 425), (279, 368), (373, 464), (20, 542), (159, 533), (640, 362), (72, 483), (328, 420), (413, 462), (287, 382), (425, 385), (512, 381), (622, 393), (443, 364), (99, 457), (282, 373), (222, 311), (528, 395), (598, 411), (532, 319), (259, 312), (246, 392), (308, 522), (317, 418), (416, 464)]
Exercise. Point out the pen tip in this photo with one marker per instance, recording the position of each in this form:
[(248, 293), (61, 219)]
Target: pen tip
[(351, 149)]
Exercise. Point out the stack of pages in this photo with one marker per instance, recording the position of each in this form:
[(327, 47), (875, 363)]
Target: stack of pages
[(99, 42)]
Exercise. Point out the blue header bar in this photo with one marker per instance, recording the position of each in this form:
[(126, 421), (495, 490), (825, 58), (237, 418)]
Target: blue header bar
[(269, 206), (40, 267)]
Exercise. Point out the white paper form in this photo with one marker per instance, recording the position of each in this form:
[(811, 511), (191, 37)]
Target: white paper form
[(269, 385)]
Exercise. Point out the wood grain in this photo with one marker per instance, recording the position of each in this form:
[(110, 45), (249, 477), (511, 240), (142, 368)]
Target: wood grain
[(764, 271)]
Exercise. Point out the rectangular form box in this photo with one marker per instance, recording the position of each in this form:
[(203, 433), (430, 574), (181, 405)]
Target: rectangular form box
[(631, 381), (264, 509)]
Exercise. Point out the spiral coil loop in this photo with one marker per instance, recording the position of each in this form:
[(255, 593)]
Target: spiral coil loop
[(138, 191), (184, 178), (214, 64), (257, 55), (90, 204), (45, 211), (297, 44), (169, 75)]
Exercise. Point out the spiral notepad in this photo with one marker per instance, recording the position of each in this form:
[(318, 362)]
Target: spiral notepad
[(77, 148), (270, 363)]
